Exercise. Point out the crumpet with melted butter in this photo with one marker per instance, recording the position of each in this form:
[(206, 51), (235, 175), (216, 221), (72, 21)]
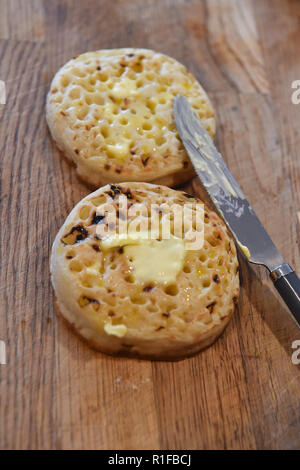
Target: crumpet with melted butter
[(139, 296), (111, 113)]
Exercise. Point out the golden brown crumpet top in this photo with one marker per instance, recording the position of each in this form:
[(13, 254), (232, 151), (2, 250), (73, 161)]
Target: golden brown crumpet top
[(111, 113), (106, 292)]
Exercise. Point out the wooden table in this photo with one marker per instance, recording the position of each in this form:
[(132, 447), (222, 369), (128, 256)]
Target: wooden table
[(244, 391)]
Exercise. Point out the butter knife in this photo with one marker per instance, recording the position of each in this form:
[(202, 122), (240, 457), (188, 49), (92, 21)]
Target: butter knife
[(233, 206)]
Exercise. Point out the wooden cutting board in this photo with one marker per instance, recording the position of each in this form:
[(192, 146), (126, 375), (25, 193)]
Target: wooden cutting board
[(244, 391)]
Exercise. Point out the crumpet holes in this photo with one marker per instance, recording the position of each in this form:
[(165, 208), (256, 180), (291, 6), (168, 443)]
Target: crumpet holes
[(84, 212), (171, 289), (104, 86), (76, 266), (130, 279)]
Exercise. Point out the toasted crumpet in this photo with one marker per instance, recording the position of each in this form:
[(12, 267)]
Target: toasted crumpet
[(99, 292), (111, 113)]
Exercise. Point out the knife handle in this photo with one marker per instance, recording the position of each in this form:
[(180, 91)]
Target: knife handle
[(287, 283)]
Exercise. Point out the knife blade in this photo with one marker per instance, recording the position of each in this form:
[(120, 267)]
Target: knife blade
[(232, 204)]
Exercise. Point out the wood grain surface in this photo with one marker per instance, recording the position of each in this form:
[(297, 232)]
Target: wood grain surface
[(244, 391)]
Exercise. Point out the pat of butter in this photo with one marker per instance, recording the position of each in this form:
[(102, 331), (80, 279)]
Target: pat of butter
[(120, 150), (245, 250), (151, 260), (115, 330), (124, 89), (122, 239)]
